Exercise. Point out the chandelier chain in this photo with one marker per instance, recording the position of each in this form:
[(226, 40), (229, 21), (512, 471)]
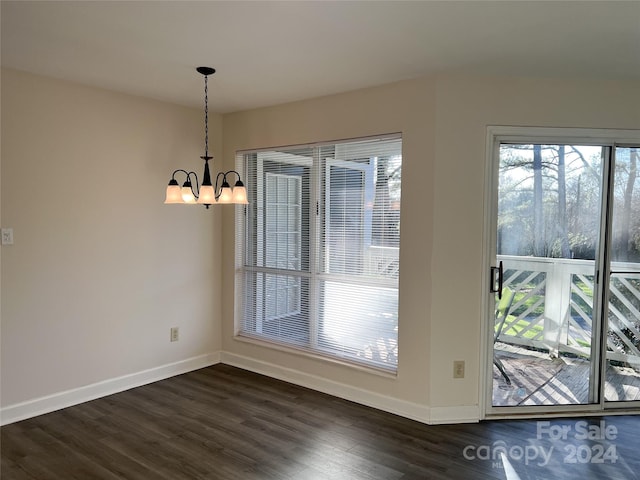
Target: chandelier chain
[(206, 116)]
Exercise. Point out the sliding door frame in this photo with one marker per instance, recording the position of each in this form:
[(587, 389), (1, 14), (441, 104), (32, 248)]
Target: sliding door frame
[(495, 135)]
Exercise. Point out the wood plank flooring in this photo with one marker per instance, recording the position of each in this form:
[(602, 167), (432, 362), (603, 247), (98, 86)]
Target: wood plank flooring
[(225, 423)]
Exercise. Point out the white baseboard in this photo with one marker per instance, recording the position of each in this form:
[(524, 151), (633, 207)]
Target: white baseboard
[(460, 414), (57, 401), (403, 408), (68, 398)]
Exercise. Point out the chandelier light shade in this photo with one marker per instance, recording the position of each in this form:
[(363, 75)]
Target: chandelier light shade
[(174, 193), (206, 194)]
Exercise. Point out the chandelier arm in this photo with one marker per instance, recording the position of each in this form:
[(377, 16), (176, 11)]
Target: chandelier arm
[(197, 190), (224, 179), (173, 175), (188, 179), (232, 171)]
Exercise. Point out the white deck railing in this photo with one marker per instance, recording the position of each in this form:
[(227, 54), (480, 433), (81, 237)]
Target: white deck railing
[(553, 309), (382, 261)]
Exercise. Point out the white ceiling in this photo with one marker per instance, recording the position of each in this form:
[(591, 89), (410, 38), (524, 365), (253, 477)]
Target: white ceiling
[(270, 52)]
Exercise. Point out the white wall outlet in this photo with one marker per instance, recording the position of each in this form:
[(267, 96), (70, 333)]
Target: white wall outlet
[(458, 369), (175, 334), (7, 236)]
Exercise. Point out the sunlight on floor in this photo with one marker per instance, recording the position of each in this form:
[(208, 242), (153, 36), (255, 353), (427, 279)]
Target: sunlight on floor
[(510, 473)]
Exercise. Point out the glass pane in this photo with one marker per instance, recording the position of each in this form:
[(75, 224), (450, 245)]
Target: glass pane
[(282, 227), (623, 332), (547, 238), (360, 322), (273, 306), (345, 233)]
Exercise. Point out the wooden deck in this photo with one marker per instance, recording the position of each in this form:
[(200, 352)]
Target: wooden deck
[(537, 379)]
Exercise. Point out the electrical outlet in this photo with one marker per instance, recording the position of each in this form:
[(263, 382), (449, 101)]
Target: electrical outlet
[(7, 236), (175, 334), (458, 369)]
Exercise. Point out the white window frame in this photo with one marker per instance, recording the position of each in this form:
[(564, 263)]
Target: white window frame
[(316, 223)]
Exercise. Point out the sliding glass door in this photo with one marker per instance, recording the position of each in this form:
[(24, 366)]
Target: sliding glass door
[(564, 328)]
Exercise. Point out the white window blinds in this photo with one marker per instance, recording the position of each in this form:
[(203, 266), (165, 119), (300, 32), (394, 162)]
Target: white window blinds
[(317, 248)]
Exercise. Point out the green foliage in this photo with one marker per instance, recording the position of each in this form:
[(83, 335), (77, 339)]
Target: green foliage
[(519, 328), (588, 292)]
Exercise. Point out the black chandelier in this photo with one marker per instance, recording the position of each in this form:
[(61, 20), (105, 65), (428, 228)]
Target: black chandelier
[(206, 194)]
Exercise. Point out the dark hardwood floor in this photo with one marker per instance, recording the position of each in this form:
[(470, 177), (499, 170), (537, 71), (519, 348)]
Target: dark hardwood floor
[(225, 423)]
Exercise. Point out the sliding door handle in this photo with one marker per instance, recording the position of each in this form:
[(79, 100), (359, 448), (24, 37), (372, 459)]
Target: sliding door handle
[(496, 279)]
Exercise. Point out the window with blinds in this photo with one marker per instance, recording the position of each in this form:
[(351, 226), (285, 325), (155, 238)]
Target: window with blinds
[(317, 248)]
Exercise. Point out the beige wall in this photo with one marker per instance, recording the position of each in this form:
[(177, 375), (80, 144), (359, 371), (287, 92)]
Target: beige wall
[(465, 107), (408, 108), (443, 121), (92, 286), (100, 269)]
